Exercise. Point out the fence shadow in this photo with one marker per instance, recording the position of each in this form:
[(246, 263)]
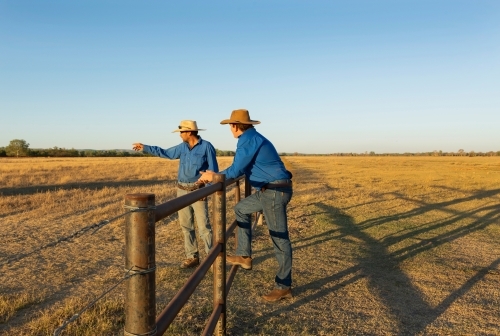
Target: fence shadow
[(83, 185), (381, 268)]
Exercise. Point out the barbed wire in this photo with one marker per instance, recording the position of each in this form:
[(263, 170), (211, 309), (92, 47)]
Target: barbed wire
[(93, 302), (95, 227)]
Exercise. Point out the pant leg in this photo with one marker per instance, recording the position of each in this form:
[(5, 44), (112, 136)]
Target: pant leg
[(200, 209), (187, 226), (275, 203), (243, 211)]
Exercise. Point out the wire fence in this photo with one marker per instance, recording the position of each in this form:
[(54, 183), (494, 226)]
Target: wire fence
[(127, 275), (95, 227)]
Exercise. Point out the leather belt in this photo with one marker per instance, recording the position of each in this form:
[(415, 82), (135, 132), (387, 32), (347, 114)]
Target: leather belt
[(191, 188), (275, 185)]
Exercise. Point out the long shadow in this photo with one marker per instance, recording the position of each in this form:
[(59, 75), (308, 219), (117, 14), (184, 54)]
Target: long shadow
[(83, 185), (381, 267), (426, 207)]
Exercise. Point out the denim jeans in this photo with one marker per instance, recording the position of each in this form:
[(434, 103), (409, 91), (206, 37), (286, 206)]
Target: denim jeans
[(273, 203), (200, 211)]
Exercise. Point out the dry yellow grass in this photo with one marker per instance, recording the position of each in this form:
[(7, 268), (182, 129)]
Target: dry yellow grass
[(382, 246)]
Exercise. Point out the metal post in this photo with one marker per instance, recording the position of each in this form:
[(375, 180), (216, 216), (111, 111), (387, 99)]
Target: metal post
[(248, 187), (219, 229), (237, 195), (140, 302)]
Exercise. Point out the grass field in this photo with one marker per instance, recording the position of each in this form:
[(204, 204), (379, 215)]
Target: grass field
[(382, 246)]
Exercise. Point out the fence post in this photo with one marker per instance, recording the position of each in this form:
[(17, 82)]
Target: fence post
[(140, 296), (237, 195), (219, 227), (248, 187)]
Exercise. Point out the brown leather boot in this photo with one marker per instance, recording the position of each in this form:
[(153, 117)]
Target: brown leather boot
[(244, 262), (278, 294), (190, 263)]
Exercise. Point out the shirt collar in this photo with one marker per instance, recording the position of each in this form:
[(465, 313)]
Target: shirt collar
[(247, 133)]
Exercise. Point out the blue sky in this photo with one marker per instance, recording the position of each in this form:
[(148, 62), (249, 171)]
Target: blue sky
[(321, 76)]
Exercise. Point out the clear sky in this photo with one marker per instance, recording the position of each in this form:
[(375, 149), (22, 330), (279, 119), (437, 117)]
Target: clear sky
[(321, 76)]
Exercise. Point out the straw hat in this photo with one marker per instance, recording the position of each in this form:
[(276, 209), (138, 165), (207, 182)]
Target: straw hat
[(240, 117), (188, 126)]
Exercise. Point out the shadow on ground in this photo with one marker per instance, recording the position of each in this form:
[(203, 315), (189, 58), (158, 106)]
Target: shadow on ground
[(84, 185), (382, 269)]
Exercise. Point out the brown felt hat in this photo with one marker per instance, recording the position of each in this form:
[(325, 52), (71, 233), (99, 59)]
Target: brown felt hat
[(240, 117), (188, 126)]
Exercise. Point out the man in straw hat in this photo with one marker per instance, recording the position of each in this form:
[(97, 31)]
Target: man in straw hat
[(195, 154), (257, 158)]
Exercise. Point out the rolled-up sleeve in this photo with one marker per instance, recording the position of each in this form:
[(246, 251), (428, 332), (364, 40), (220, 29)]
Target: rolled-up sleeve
[(170, 153)]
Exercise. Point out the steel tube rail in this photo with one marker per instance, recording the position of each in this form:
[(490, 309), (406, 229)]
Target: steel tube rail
[(159, 325), (212, 322), (140, 295), (175, 305), (230, 229), (166, 209), (172, 206), (230, 278)]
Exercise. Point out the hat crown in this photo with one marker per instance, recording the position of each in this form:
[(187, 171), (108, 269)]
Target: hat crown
[(188, 126), (240, 116)]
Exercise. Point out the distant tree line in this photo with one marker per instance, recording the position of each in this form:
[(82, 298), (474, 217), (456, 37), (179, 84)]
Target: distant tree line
[(219, 152), (460, 152), (20, 148)]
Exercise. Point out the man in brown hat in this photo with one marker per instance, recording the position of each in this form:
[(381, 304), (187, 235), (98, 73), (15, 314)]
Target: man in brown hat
[(195, 154), (257, 158)]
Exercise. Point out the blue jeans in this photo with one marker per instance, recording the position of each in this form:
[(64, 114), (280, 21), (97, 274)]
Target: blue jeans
[(200, 211), (273, 203)]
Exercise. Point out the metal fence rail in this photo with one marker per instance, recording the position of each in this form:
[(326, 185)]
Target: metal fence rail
[(140, 305)]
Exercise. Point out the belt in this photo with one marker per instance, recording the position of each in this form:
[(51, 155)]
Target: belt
[(191, 188), (275, 185)]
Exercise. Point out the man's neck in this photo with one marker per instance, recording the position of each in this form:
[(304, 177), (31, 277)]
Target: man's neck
[(192, 141)]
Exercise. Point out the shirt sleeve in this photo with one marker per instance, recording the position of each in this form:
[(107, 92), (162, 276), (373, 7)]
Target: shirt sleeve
[(170, 153), (212, 160), (245, 153)]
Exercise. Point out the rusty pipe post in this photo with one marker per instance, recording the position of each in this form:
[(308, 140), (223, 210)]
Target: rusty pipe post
[(237, 195), (219, 227), (140, 297)]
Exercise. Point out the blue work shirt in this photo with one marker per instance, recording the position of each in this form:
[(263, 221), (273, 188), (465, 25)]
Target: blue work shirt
[(192, 160), (257, 158)]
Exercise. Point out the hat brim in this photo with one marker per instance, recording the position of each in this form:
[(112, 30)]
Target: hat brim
[(191, 130), (247, 122)]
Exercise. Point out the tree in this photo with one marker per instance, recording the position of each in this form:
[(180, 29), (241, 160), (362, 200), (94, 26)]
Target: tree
[(17, 147)]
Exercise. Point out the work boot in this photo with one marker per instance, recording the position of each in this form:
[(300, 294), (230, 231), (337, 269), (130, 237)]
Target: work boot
[(190, 262), (244, 262), (278, 294)]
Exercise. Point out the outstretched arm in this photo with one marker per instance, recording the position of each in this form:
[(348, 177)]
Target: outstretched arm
[(170, 153)]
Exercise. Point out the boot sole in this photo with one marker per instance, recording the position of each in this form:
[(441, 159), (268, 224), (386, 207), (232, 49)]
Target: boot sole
[(287, 296), (245, 267)]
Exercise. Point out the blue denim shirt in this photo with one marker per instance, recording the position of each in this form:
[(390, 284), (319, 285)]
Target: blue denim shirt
[(199, 158), (257, 158)]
